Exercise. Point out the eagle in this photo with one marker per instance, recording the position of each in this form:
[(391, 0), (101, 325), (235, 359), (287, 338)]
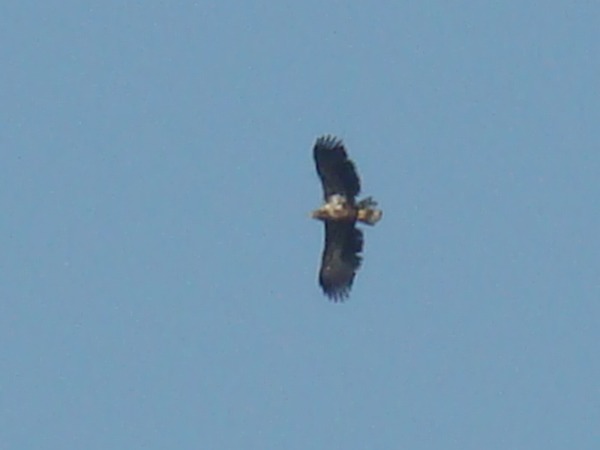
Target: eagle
[(341, 256)]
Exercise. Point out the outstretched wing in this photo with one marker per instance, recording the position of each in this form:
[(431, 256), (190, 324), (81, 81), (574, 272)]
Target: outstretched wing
[(338, 174), (341, 258)]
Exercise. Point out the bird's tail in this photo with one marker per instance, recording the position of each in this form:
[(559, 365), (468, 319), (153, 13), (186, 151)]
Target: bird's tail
[(367, 213)]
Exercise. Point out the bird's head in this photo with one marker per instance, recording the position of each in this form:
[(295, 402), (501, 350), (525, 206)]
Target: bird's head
[(320, 214)]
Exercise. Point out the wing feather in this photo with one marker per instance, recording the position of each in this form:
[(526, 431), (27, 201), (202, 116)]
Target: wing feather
[(338, 174), (341, 259)]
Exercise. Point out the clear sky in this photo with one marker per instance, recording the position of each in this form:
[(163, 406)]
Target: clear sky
[(158, 265)]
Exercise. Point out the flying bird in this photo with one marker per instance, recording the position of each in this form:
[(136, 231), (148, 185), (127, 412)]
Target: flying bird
[(343, 241)]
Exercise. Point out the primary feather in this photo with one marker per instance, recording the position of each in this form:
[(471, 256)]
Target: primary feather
[(338, 174), (341, 258)]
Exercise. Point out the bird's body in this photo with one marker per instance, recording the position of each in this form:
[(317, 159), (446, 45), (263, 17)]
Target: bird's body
[(343, 241)]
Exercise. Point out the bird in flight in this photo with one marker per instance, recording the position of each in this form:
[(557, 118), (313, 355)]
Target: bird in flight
[(343, 240)]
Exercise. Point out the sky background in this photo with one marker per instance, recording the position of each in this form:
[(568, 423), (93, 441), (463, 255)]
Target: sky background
[(158, 265)]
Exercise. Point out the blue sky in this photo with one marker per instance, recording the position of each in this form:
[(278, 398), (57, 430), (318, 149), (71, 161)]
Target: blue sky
[(158, 266)]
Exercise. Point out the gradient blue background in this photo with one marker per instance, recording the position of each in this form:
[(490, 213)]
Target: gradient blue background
[(158, 266)]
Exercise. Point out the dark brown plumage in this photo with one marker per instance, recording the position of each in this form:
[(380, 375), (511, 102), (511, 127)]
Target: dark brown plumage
[(338, 174), (343, 241)]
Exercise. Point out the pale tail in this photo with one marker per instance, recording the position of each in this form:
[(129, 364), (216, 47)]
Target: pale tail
[(367, 213)]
